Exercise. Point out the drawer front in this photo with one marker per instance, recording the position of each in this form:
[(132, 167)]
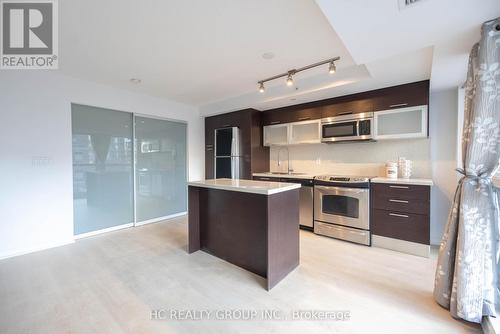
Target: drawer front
[(403, 226), (303, 182), (266, 178), (341, 232), (401, 191), (401, 205)]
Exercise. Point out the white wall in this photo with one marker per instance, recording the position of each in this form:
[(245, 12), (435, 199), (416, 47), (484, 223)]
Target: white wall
[(36, 206), (367, 158), (443, 133)]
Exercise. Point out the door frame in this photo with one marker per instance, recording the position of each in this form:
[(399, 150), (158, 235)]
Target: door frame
[(134, 223)]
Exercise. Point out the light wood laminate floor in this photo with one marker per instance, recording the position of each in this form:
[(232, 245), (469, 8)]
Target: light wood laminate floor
[(110, 283)]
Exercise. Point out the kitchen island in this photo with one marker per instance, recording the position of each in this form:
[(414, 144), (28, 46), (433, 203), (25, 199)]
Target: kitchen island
[(251, 224)]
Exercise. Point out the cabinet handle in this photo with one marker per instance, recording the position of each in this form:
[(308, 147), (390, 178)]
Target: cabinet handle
[(399, 187), (398, 201), (398, 105), (398, 215), (209, 149), (275, 122), (344, 113), (209, 145), (226, 125), (304, 118)]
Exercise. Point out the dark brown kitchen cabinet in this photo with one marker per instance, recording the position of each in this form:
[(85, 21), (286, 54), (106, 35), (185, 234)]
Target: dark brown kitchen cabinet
[(401, 211), (275, 117), (348, 106), (289, 115), (397, 204), (402, 191), (211, 123), (307, 114), (255, 157), (402, 226), (406, 95), (266, 178), (402, 96)]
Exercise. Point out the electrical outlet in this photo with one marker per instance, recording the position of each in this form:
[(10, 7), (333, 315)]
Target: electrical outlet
[(41, 161)]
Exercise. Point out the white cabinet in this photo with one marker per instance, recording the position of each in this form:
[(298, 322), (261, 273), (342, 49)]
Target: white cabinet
[(306, 132), (401, 123), (276, 134)]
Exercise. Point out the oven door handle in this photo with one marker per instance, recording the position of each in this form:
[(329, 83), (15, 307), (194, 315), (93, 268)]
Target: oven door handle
[(342, 189)]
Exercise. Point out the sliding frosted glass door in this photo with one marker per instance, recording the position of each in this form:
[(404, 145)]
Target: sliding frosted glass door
[(161, 168), (102, 168)]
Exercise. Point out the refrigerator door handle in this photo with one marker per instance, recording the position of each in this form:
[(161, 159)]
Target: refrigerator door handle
[(233, 146), (235, 167), (235, 142)]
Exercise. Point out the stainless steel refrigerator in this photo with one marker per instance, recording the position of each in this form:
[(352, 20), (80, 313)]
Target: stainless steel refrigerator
[(227, 153)]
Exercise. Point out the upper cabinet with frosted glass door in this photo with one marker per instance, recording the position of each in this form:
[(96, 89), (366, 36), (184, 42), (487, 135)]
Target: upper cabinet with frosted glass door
[(276, 134), (400, 123), (305, 132)]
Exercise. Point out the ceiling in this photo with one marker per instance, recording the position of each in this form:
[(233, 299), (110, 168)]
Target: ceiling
[(381, 30), (192, 51), (209, 53)]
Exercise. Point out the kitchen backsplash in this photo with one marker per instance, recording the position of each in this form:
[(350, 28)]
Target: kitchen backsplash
[(362, 158)]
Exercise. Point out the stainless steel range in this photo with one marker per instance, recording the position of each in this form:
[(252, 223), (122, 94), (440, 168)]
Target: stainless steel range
[(342, 207)]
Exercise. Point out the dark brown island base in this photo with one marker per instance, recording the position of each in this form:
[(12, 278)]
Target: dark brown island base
[(251, 224)]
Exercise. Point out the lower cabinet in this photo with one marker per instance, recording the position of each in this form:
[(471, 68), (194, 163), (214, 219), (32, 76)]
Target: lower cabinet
[(404, 226), (400, 217)]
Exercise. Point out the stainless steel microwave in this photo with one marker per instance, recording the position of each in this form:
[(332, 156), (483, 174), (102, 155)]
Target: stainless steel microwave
[(349, 127)]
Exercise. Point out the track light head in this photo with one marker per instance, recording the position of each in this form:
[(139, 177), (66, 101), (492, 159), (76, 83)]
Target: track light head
[(261, 87), (332, 68), (289, 79)]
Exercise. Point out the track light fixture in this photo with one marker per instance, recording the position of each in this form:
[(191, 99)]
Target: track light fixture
[(289, 74), (332, 68), (261, 87), (289, 79)]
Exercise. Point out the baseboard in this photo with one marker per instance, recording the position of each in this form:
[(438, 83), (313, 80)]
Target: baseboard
[(88, 234), (306, 228), (104, 230), (401, 245), (8, 255), (156, 220), (491, 325)]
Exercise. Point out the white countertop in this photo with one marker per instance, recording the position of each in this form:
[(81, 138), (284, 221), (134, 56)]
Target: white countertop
[(417, 182), (422, 182), (286, 176), (246, 186)]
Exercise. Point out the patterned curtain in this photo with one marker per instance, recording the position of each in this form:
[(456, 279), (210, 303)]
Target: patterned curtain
[(467, 268)]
